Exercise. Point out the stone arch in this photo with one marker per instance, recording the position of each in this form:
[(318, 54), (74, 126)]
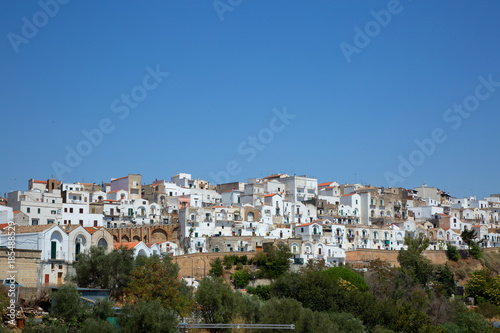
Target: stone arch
[(158, 235), (125, 239), (136, 238), (145, 239), (115, 239)]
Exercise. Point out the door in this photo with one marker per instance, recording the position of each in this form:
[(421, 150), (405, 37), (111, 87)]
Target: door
[(47, 278), (77, 250), (53, 250), (59, 278)]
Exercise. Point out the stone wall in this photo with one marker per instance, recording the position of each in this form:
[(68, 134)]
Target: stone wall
[(147, 234), (364, 256), (200, 266), (26, 265)]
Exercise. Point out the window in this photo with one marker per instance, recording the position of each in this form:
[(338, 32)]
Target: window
[(95, 223), (50, 221), (81, 210), (65, 209), (81, 223), (71, 210), (28, 209), (53, 212), (53, 201), (65, 221)]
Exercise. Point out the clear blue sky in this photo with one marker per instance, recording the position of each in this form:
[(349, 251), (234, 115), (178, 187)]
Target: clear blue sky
[(353, 119)]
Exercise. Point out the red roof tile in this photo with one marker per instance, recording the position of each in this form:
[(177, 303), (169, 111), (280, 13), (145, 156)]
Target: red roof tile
[(129, 245)]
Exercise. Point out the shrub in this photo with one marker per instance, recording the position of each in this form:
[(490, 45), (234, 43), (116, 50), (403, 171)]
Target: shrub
[(346, 274), (241, 278), (452, 253), (263, 292), (461, 273), (475, 251)]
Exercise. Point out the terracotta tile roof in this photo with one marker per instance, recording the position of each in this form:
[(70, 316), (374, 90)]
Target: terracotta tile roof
[(17, 211), (3, 225), (40, 181), (270, 195), (304, 225), (91, 230), (325, 184), (273, 176), (348, 195), (129, 245), (33, 228), (149, 244), (119, 178), (115, 191)]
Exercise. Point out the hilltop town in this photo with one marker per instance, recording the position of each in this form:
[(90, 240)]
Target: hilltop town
[(187, 215)]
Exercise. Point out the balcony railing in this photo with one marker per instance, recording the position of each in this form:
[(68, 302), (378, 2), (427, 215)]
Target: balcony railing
[(58, 255)]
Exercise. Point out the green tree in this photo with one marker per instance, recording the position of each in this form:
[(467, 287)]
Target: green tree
[(262, 291), (92, 325), (148, 317), (215, 301), (475, 250), (347, 322), (67, 306), (96, 269), (469, 236), (248, 308), (413, 262), (102, 310), (452, 252), (216, 268), (275, 262), (157, 280), (468, 322), (445, 280), (281, 311), (241, 278), (346, 274)]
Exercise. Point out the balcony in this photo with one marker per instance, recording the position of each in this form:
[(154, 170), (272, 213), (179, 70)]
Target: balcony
[(58, 255)]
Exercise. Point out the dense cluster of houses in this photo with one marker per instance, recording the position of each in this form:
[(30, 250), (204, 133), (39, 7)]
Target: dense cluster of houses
[(317, 221)]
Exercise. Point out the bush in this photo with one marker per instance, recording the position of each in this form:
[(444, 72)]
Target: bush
[(461, 273), (93, 325), (452, 253), (229, 261), (263, 292), (475, 251), (239, 266), (243, 259), (147, 317), (488, 310), (216, 268), (241, 278), (344, 273)]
